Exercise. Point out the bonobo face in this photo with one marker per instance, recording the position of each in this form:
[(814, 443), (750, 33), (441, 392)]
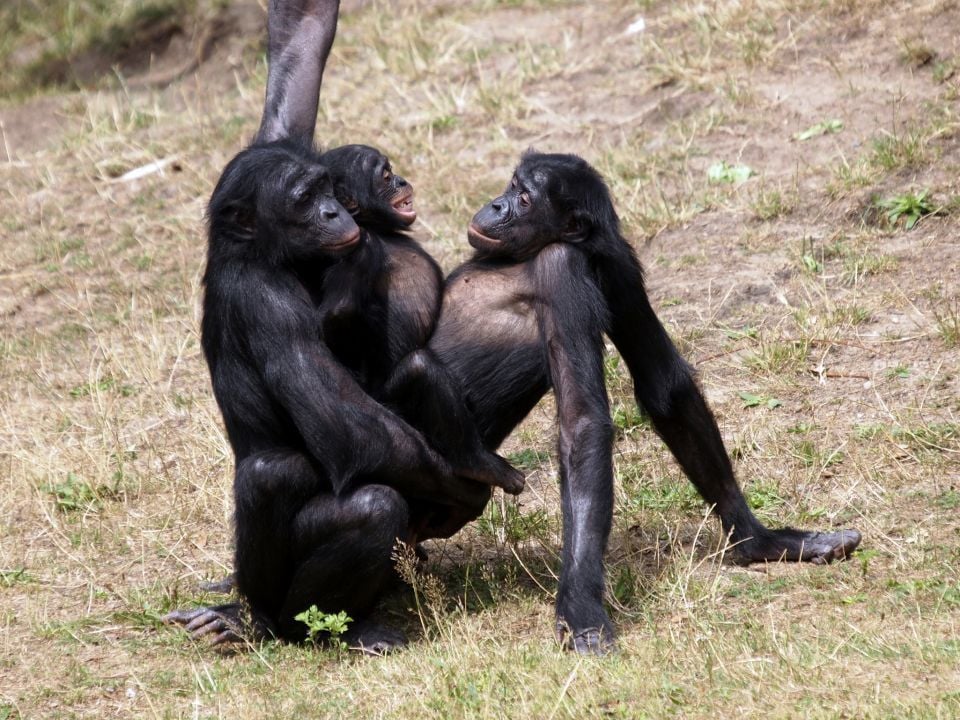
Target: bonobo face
[(530, 214), (366, 185), (309, 221)]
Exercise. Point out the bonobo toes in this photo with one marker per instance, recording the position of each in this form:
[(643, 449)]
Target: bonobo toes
[(583, 627), (371, 638), (223, 587), (598, 640), (819, 548), (220, 624)]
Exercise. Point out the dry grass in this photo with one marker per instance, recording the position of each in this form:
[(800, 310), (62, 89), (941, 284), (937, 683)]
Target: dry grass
[(789, 287)]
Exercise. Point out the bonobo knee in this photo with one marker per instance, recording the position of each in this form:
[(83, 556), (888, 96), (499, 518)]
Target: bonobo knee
[(382, 510), (378, 501), (416, 365)]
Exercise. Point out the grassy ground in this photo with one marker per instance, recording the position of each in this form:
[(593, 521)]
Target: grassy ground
[(826, 334)]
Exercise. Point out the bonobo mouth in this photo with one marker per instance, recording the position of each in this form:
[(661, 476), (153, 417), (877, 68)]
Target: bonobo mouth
[(480, 241), (348, 241), (403, 207)]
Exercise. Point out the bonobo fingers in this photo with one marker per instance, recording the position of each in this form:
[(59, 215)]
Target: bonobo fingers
[(223, 620), (491, 469), (510, 479)]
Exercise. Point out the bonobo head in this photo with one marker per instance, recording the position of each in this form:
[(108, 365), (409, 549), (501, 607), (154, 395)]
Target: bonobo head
[(366, 185), (551, 198), (275, 202)]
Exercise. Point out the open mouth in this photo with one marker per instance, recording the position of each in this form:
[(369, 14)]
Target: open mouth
[(480, 241), (403, 207)]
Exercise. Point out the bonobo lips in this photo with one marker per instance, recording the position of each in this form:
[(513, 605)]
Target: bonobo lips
[(348, 241), (480, 241), (403, 207)]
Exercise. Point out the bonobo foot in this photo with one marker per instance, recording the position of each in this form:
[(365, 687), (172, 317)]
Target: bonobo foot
[(584, 628), (224, 621), (818, 548), (491, 469), (371, 638), (222, 587)]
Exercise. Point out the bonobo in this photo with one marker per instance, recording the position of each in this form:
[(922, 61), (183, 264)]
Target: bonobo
[(323, 471), (527, 313), (327, 478), (378, 308)]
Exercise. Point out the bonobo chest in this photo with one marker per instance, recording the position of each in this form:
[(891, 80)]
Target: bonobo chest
[(496, 303)]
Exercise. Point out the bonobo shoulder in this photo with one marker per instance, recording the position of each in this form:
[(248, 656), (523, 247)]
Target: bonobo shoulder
[(560, 260)]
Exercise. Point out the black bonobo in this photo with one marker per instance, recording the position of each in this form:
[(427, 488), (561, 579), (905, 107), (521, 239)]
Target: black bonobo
[(379, 307), (527, 313), (323, 471), (327, 478)]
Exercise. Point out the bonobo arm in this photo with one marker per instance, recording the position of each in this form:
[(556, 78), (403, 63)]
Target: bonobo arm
[(348, 433), (664, 386), (571, 317), (301, 35)]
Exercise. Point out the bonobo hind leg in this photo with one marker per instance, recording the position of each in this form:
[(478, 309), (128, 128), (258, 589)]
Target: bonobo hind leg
[(342, 548), (427, 396)]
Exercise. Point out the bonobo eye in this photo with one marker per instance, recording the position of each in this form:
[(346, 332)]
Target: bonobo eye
[(304, 195), (524, 200), (350, 204), (514, 182), (387, 173)]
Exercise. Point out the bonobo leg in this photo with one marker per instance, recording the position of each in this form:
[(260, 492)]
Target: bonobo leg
[(665, 388), (570, 319), (426, 395), (299, 545)]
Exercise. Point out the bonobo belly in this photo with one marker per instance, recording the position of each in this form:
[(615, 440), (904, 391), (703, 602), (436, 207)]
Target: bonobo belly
[(488, 337)]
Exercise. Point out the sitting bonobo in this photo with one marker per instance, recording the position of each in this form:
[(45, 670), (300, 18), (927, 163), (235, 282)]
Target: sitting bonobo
[(527, 313), (379, 306), (325, 474)]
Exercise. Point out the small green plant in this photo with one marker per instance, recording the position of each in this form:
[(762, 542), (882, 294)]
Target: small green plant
[(627, 419), (9, 578), (750, 400), (723, 172), (746, 332), (900, 371), (319, 622), (909, 206), (892, 151), (528, 458), (821, 128), (770, 204), (72, 494)]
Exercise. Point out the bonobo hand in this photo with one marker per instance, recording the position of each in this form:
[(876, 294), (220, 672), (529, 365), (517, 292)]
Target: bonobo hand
[(491, 469)]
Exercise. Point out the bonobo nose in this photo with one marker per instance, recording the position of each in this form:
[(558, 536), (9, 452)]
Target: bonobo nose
[(330, 211)]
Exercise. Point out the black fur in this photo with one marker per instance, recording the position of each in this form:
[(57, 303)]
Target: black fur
[(552, 273)]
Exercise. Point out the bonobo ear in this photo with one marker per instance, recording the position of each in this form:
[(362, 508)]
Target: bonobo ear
[(243, 216), (578, 227)]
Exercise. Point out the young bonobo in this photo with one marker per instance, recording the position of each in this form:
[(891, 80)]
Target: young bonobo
[(551, 274), (379, 306)]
